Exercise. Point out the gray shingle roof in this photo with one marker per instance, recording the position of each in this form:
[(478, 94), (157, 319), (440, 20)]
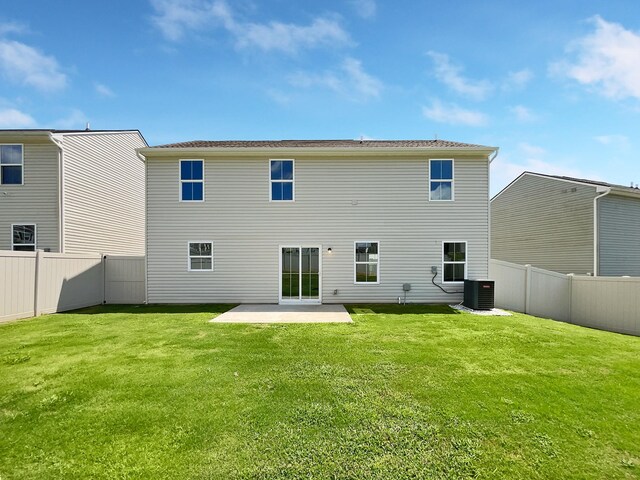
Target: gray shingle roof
[(590, 182), (321, 144)]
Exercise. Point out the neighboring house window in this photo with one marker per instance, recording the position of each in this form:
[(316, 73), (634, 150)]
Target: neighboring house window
[(191, 180), (23, 238), (454, 261), (11, 162), (440, 179), (366, 262), (281, 180), (200, 256)]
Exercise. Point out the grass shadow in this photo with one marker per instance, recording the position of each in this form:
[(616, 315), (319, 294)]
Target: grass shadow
[(394, 309), (213, 308)]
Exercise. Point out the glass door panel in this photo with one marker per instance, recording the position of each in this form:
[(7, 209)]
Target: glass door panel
[(290, 273), (310, 285)]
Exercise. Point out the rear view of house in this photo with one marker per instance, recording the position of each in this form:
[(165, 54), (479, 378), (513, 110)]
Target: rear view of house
[(315, 221), (567, 225), (72, 191)]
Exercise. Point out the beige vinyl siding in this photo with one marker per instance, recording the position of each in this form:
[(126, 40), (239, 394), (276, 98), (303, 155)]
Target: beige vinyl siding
[(104, 193), (619, 235), (547, 223), (392, 207), (35, 202)]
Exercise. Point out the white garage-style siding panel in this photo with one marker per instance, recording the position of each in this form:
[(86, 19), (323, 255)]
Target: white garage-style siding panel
[(104, 193), (337, 201), (35, 202)]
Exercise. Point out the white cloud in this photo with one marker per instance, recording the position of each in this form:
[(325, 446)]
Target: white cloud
[(176, 18), (530, 150), (350, 80), (103, 90), (607, 59), (12, 118), (530, 158), (453, 114), (12, 27), (364, 8), (288, 37), (363, 83), (620, 141), (518, 80), (76, 120), (26, 65), (523, 114), (450, 75)]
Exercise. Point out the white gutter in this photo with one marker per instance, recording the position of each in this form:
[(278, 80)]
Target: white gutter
[(495, 154), (603, 191), (61, 196)]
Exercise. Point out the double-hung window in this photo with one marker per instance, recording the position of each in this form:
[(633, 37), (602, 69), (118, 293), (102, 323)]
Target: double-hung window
[(191, 180), (200, 256), (441, 179), (11, 163), (281, 178), (454, 261), (367, 262), (23, 238)]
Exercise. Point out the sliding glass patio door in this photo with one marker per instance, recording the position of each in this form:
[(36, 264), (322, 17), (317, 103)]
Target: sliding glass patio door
[(300, 274)]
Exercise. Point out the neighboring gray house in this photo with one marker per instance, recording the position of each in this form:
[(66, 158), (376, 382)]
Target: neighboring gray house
[(567, 225), (326, 221), (72, 191)]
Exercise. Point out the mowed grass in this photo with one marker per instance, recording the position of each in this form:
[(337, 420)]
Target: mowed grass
[(403, 392)]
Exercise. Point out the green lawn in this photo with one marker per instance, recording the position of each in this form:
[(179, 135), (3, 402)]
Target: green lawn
[(403, 392)]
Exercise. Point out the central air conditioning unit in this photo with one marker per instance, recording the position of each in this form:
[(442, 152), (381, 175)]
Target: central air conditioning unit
[(479, 294)]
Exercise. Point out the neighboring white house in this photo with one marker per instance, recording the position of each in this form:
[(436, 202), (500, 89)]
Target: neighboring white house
[(327, 221), (72, 191), (568, 225)]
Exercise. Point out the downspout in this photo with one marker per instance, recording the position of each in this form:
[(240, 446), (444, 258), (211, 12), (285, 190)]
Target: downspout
[(491, 159), (596, 266), (146, 227), (61, 196)]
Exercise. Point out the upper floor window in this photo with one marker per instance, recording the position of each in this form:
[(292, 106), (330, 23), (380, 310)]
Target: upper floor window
[(11, 163), (191, 180), (441, 179), (23, 238), (366, 262), (454, 261), (200, 256), (281, 180)]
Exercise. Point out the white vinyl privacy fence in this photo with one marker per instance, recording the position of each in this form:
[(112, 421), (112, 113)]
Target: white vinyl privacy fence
[(606, 303), (33, 283)]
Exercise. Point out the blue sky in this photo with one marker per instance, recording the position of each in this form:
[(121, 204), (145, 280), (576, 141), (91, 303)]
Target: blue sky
[(554, 84)]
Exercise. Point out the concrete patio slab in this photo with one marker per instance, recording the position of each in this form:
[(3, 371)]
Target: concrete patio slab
[(284, 314)]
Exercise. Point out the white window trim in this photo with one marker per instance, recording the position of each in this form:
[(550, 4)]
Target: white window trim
[(355, 281), (466, 260), (453, 179), (180, 181), (14, 165), (292, 181), (189, 256), (35, 235)]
